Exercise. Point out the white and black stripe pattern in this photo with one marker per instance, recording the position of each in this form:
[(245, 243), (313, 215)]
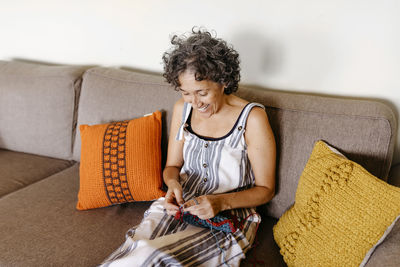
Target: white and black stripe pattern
[(211, 165), (190, 246), (228, 167)]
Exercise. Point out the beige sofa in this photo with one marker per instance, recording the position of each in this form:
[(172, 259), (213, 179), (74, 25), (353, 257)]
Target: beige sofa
[(41, 106)]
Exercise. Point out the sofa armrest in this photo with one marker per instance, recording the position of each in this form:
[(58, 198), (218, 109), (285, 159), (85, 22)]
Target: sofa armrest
[(394, 175), (388, 252)]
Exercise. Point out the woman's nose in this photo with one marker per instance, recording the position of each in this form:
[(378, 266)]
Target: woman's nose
[(195, 101)]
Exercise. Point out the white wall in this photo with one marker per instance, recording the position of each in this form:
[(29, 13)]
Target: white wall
[(341, 47)]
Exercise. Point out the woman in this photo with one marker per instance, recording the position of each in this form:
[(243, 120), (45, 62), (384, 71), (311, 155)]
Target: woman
[(221, 157)]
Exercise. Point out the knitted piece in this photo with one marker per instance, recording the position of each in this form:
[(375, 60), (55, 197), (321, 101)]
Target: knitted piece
[(227, 222), (341, 211)]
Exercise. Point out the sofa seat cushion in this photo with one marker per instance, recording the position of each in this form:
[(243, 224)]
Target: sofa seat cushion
[(39, 225), (18, 169)]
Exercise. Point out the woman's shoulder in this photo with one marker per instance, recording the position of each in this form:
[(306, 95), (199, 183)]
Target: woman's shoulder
[(241, 103), (237, 102), (179, 103), (178, 106), (256, 114), (257, 119), (178, 110)]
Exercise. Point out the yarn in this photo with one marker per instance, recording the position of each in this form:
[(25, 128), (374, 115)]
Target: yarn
[(221, 249), (227, 222), (223, 221)]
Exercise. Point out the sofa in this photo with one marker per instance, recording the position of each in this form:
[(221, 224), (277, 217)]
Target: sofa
[(42, 106)]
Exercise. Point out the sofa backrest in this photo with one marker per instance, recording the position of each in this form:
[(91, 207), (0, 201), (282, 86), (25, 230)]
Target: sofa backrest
[(110, 94), (364, 131), (38, 115), (37, 107)]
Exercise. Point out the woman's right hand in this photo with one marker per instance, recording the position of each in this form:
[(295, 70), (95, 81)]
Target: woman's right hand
[(173, 198)]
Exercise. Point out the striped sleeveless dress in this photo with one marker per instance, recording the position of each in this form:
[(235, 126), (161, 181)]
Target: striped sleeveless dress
[(211, 166)]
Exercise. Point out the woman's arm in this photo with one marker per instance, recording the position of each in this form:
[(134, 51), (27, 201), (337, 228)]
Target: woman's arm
[(173, 198), (261, 150)]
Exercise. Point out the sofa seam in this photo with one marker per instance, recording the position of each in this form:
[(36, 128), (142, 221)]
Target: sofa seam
[(90, 71), (73, 162), (42, 76), (326, 112), (77, 88)]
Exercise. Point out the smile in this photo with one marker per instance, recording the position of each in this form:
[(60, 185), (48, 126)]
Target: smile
[(203, 108)]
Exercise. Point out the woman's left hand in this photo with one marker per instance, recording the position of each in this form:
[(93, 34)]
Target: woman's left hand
[(207, 206)]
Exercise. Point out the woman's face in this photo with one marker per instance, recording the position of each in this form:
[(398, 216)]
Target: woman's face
[(205, 96)]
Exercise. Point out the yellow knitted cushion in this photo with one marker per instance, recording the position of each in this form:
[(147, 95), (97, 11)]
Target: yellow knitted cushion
[(341, 211)]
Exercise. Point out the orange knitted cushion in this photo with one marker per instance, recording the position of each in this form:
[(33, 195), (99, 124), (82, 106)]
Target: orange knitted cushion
[(120, 162)]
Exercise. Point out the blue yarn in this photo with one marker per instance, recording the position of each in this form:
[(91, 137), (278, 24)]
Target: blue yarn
[(228, 225), (221, 249), (187, 217)]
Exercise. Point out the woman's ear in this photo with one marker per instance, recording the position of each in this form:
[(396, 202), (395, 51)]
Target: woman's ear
[(224, 86)]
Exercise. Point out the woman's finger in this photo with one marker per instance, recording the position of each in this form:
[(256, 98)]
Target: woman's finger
[(178, 196), (171, 208), (191, 203), (199, 212), (201, 207), (195, 207)]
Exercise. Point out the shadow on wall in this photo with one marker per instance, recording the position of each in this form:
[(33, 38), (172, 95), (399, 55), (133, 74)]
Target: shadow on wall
[(258, 55), (300, 58)]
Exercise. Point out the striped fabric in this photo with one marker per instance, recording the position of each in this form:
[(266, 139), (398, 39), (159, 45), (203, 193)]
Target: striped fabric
[(211, 166)]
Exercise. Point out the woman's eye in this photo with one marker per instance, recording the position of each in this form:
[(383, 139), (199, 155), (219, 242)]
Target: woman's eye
[(202, 94)]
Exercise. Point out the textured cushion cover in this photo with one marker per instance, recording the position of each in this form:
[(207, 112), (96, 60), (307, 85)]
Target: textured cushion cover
[(37, 107), (120, 162), (341, 211), (18, 169)]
